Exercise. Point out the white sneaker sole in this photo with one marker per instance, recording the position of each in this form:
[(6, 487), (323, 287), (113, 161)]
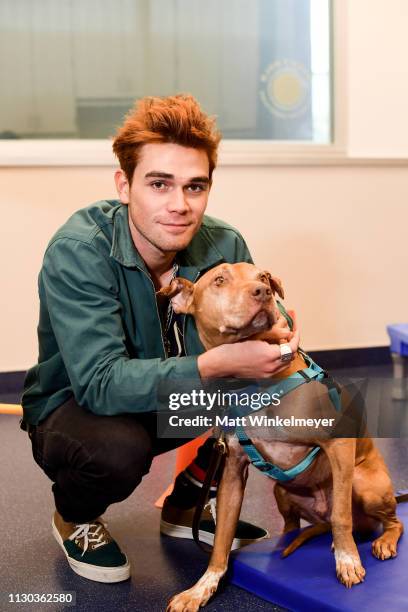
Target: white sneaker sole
[(178, 531), (93, 572)]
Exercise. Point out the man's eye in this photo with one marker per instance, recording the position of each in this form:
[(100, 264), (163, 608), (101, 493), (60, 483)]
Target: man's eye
[(158, 185), (219, 280), (196, 187)]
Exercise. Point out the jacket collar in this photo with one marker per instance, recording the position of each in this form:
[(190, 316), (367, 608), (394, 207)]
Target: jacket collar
[(201, 254)]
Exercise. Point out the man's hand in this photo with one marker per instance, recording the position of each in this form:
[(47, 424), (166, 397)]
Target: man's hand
[(280, 331), (249, 359)]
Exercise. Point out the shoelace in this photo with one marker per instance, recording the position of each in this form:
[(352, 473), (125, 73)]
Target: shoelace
[(86, 531), (212, 505)]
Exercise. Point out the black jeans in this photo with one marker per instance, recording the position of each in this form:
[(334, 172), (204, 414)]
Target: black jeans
[(96, 460)]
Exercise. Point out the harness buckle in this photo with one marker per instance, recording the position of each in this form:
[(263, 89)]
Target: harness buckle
[(222, 446), (305, 376)]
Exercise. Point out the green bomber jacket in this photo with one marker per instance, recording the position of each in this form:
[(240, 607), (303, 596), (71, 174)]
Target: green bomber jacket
[(99, 332)]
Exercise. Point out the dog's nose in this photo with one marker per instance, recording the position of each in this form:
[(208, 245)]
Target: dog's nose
[(261, 293)]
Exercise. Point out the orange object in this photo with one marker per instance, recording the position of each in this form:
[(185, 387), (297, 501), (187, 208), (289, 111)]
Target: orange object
[(185, 455), (10, 409)]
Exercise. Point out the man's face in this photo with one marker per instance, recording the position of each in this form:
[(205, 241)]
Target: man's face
[(167, 197)]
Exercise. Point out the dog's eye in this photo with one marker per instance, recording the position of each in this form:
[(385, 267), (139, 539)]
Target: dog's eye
[(219, 280), (264, 278)]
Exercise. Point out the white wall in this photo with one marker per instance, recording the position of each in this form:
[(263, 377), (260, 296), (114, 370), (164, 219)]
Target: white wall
[(335, 234), (377, 77)]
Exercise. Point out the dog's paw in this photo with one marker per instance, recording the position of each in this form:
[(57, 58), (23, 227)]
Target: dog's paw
[(183, 602), (383, 548), (348, 568), (196, 597), (190, 600)]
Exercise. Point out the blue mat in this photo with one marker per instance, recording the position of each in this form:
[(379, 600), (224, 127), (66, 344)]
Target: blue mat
[(306, 580)]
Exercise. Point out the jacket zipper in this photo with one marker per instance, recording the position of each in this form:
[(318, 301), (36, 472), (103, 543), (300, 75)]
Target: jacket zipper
[(158, 314), (157, 310)]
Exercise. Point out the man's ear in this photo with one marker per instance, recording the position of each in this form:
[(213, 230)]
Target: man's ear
[(122, 186), (276, 285), (181, 293)]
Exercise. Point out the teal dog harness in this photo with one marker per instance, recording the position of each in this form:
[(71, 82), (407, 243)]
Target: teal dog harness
[(285, 386)]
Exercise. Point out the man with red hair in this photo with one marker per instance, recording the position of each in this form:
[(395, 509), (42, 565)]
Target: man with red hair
[(106, 342)]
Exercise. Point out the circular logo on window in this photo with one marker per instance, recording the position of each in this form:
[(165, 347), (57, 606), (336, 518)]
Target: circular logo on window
[(285, 88)]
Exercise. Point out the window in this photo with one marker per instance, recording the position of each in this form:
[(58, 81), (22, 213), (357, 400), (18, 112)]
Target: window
[(74, 67)]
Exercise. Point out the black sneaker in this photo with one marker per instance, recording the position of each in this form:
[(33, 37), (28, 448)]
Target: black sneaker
[(90, 549), (178, 522)]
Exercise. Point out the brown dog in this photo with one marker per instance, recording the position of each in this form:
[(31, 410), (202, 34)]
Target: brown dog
[(347, 486)]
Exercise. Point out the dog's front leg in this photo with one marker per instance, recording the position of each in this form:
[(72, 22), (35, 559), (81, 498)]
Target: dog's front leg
[(341, 453), (229, 501)]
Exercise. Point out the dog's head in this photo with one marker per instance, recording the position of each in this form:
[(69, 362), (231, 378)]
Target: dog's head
[(229, 303)]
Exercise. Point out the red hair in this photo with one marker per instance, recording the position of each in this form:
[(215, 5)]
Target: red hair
[(177, 119)]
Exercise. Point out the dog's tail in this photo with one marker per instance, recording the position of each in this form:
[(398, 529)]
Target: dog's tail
[(305, 535)]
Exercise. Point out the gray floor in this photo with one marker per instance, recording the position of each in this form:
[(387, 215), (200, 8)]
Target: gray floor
[(31, 561)]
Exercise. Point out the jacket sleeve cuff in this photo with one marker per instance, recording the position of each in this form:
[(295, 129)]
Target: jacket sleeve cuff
[(187, 368)]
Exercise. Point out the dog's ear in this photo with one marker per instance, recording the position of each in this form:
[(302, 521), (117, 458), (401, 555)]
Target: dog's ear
[(181, 293), (276, 285)]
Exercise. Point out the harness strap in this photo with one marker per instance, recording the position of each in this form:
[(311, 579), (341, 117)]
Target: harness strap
[(285, 386), (269, 469)]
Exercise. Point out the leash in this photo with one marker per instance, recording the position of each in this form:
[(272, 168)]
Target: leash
[(217, 460)]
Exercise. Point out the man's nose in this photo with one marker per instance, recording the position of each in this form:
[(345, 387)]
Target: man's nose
[(178, 201), (261, 293)]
